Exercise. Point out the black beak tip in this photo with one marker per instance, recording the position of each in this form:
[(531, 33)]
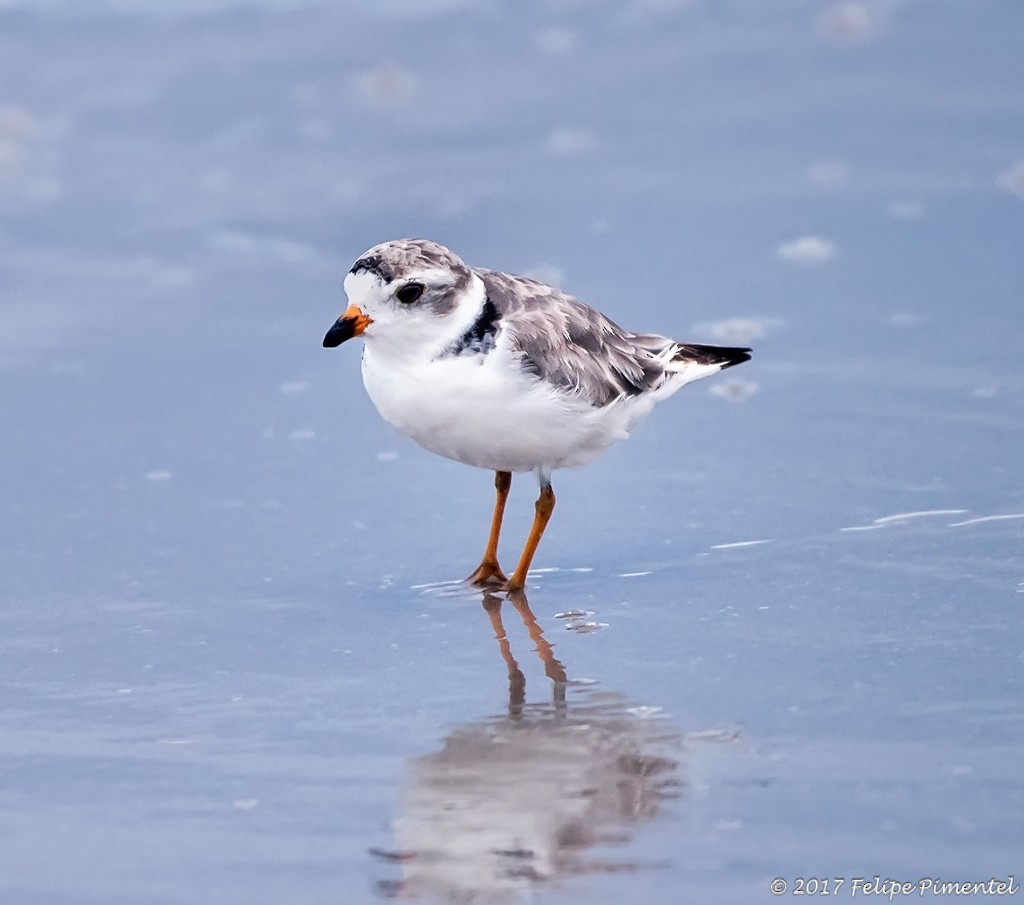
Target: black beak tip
[(338, 333)]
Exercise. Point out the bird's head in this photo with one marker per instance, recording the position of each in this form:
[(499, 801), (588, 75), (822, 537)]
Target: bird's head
[(406, 292)]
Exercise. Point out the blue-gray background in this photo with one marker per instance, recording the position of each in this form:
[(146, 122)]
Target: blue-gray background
[(231, 670)]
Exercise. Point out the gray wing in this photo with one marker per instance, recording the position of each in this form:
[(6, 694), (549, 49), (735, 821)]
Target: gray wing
[(572, 346)]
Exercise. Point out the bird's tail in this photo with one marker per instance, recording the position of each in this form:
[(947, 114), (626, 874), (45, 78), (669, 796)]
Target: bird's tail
[(691, 361), (723, 356)]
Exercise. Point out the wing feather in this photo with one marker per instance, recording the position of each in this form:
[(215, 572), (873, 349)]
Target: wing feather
[(574, 347)]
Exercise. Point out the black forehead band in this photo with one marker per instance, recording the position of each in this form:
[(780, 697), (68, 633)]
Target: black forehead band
[(374, 264)]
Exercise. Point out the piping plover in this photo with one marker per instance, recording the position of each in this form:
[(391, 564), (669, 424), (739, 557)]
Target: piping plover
[(504, 372)]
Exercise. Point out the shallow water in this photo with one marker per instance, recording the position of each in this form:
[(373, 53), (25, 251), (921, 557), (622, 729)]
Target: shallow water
[(776, 634)]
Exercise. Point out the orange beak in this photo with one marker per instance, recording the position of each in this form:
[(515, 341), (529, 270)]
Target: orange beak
[(351, 323)]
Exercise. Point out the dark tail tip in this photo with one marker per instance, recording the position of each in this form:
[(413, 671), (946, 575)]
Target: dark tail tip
[(726, 356)]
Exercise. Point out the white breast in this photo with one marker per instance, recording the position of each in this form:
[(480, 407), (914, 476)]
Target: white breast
[(485, 410)]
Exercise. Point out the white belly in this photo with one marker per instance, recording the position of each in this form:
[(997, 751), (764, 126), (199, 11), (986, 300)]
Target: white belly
[(484, 411)]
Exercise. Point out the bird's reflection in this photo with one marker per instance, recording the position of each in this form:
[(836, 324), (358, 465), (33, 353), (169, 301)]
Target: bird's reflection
[(526, 798)]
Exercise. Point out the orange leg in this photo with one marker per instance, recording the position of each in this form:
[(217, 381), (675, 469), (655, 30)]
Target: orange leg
[(544, 506), (489, 572)]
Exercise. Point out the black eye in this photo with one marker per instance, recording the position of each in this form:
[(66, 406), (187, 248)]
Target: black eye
[(409, 293)]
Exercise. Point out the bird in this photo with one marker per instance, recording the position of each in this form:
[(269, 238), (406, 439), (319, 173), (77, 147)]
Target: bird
[(503, 372)]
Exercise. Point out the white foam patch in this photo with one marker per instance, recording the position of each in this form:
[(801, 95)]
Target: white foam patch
[(905, 319), (647, 712), (585, 628), (387, 84), (431, 585), (571, 142), (988, 518), (734, 389), (737, 331), (923, 513), (898, 517), (1013, 179), (713, 735), (808, 251), (740, 543), (828, 174), (852, 21), (17, 126)]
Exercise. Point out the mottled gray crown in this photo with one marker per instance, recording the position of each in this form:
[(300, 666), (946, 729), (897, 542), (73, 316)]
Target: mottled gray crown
[(392, 260)]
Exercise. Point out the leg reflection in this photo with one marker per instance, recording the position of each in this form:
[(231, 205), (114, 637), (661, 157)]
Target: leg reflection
[(553, 667), (516, 679)]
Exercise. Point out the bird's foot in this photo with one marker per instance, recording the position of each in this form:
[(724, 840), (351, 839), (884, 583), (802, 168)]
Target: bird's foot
[(514, 586), (488, 575)]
